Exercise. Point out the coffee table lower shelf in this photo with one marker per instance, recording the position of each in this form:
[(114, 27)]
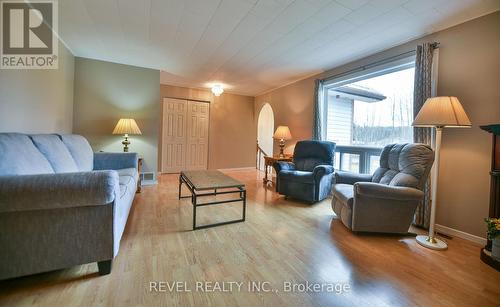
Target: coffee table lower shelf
[(196, 194)]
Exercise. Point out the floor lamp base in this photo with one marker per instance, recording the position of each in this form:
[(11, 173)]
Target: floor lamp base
[(436, 244)]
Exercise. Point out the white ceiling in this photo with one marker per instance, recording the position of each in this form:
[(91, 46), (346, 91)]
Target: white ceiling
[(250, 46)]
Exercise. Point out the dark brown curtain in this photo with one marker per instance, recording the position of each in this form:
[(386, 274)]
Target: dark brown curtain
[(422, 91)]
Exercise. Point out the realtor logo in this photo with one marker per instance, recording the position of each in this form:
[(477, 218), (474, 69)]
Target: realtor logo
[(29, 39)]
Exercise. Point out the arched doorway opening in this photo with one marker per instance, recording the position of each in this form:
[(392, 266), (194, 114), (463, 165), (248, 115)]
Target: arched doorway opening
[(265, 130)]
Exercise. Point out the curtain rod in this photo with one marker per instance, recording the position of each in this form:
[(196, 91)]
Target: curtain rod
[(434, 45)]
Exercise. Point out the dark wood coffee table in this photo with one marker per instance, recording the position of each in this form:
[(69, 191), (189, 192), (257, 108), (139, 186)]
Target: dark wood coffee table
[(207, 183)]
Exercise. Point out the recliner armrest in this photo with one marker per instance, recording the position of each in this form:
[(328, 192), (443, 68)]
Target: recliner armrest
[(322, 170), (281, 166), (384, 191), (351, 178), (53, 191)]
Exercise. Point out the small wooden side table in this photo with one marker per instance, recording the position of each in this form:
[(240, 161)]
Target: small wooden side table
[(139, 170), (269, 161)]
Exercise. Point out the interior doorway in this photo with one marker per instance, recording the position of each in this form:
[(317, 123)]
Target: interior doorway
[(265, 130)]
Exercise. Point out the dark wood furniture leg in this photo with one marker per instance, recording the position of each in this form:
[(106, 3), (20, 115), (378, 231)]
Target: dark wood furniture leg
[(139, 181), (265, 173)]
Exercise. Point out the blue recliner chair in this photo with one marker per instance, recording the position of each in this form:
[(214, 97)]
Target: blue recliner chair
[(309, 177)]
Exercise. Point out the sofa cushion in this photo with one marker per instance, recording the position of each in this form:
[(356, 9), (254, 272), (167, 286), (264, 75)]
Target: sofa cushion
[(54, 150), (128, 180), (80, 150), (345, 193), (19, 156), (123, 190), (127, 172), (296, 176), (125, 179), (128, 175), (127, 189)]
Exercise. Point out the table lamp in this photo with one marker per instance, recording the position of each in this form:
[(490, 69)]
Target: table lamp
[(282, 134), (126, 126), (439, 112)]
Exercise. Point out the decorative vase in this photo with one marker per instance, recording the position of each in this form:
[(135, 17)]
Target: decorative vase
[(495, 248)]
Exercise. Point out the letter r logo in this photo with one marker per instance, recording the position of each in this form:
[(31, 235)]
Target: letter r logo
[(27, 27)]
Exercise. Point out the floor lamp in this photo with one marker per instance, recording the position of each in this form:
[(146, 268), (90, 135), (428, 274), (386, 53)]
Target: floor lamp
[(439, 112)]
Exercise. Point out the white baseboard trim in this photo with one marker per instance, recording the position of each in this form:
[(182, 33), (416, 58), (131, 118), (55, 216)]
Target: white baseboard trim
[(237, 169), (460, 234), (149, 182)]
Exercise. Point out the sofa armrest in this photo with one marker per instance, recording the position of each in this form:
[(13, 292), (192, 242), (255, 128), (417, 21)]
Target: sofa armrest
[(383, 191), (321, 170), (53, 191), (281, 166), (351, 178), (115, 160)]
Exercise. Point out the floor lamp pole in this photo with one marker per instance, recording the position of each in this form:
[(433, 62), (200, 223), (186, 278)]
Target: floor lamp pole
[(430, 241)]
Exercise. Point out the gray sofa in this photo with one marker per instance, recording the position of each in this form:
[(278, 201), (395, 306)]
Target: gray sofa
[(385, 201), (61, 204)]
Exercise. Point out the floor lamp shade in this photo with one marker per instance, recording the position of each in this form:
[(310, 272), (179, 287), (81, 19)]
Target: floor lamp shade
[(442, 112), (439, 112), (126, 126)]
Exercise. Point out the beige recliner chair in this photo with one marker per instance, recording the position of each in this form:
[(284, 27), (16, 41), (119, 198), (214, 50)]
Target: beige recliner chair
[(385, 201)]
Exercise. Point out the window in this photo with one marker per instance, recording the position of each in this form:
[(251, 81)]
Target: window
[(365, 111)]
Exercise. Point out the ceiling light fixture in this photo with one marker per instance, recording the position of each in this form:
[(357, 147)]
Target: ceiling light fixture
[(217, 90)]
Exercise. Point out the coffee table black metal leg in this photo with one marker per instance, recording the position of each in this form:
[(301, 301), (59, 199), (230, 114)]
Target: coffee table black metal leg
[(244, 204), (194, 201)]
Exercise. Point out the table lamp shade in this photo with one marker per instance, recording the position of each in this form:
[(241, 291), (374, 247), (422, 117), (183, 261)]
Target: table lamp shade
[(127, 126), (282, 133), (442, 112)]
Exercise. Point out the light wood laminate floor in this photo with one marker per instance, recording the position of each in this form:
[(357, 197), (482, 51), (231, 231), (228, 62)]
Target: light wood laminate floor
[(281, 241)]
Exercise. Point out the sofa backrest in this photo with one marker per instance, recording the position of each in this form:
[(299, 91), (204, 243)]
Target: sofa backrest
[(309, 154), (54, 150), (22, 154), (80, 150), (405, 165), (19, 156)]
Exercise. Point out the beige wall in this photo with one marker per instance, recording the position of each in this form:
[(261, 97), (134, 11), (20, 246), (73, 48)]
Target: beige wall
[(292, 107), (232, 135), (38, 101), (105, 92), (469, 68)]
